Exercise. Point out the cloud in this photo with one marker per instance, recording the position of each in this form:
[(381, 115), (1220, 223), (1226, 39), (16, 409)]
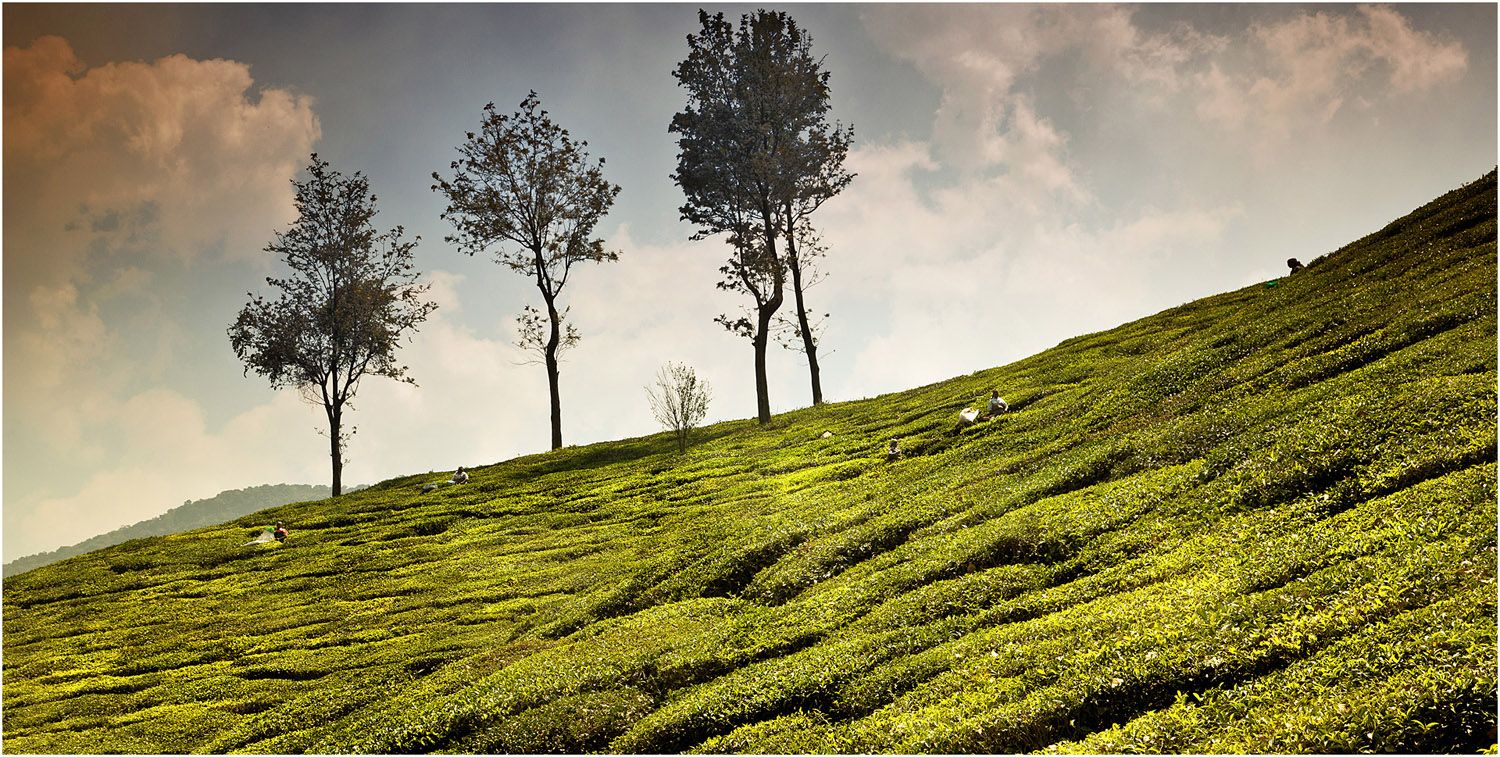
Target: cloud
[(986, 271), (1027, 217), (483, 399), (1301, 72), (1015, 223), (657, 304), (1277, 79), (176, 158), (982, 244), (1417, 60), (477, 400), (976, 56), (121, 170), (475, 404), (468, 407), (982, 57), (119, 178), (47, 359)]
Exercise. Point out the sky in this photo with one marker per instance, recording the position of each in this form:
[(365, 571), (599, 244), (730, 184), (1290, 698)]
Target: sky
[(1025, 174)]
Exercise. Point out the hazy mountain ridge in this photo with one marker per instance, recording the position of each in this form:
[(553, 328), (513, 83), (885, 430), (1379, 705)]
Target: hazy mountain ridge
[(224, 506), (1263, 521)]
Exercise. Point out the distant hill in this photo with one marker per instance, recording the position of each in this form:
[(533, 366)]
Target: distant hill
[(224, 506), (1260, 522)]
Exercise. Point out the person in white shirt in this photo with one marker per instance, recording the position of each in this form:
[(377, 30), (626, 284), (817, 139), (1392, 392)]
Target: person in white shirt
[(459, 477), (997, 404)]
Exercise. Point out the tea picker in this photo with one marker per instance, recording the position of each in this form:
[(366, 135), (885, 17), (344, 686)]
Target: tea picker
[(459, 477), (276, 533)]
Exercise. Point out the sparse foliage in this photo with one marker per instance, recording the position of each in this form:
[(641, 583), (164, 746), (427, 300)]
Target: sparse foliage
[(679, 400), (804, 332), (350, 298), (819, 168), (789, 333), (533, 330), (526, 191)]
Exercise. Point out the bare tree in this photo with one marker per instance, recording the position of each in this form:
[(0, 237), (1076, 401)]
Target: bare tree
[(351, 296), (525, 190), (678, 400)]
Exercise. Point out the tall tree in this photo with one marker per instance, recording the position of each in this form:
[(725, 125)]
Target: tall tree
[(722, 168), (350, 297), (754, 157), (524, 189), (817, 170)]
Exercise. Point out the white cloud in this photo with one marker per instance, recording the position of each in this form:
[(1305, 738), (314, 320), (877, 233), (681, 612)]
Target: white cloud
[(480, 400), (1276, 80), (657, 304), (1302, 70), (980, 55), (477, 401), (986, 243), (1418, 60), (171, 158), (123, 166), (468, 407), (50, 357), (987, 270)]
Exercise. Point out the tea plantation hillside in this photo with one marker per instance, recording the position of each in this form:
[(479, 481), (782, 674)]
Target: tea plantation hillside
[(1264, 521)]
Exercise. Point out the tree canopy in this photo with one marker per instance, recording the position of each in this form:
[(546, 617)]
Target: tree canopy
[(756, 156), (349, 299), (524, 190)]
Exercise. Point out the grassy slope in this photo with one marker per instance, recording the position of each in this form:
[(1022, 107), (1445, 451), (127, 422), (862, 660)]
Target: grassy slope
[(1262, 521)]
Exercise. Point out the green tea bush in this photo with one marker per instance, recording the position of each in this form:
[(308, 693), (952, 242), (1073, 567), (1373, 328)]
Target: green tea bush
[(572, 724), (798, 733)]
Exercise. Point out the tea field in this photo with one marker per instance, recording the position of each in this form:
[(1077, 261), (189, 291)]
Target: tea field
[(1264, 521)]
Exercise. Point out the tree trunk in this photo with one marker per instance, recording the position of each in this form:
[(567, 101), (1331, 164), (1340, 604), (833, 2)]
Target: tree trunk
[(762, 388), (553, 340), (764, 312), (335, 451), (808, 345)]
